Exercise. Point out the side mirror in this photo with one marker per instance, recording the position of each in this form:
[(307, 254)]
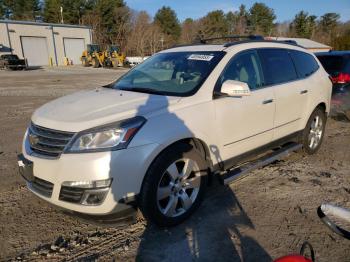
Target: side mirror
[(235, 88)]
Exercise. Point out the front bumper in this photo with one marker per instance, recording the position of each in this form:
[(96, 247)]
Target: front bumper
[(126, 167)]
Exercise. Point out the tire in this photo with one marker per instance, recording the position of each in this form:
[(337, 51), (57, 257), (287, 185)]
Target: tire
[(115, 64), (314, 131), (85, 62), (167, 197), (95, 63)]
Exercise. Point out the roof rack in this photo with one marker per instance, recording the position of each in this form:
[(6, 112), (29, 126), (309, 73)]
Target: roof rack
[(239, 40), (293, 43), (237, 37)]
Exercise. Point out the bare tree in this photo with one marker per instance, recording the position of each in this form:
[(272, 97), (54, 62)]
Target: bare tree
[(153, 39), (137, 42)]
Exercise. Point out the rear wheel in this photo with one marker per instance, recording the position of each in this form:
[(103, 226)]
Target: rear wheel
[(115, 63), (314, 131), (95, 63), (174, 186), (85, 62)]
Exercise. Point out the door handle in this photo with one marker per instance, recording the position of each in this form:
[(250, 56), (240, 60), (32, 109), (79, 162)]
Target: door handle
[(303, 92), (268, 101)]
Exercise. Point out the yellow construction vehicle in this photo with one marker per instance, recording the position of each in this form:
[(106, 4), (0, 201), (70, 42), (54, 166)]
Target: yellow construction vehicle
[(114, 57), (108, 58), (93, 56)]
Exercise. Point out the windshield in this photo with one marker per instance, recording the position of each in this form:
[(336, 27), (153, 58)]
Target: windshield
[(173, 74)]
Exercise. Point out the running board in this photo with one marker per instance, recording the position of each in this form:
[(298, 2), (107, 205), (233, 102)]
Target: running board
[(241, 171)]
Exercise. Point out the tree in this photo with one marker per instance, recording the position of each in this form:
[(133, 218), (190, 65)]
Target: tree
[(189, 30), (73, 11), (166, 19), (138, 38), (52, 11), (342, 42), (237, 21), (214, 24), (145, 35), (261, 19), (329, 21), (2, 9), (106, 10), (304, 25), (20, 9), (154, 35)]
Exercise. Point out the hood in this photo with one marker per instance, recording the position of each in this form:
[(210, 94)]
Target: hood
[(87, 109)]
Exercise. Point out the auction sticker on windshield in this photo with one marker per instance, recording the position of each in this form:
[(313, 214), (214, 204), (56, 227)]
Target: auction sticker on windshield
[(200, 57)]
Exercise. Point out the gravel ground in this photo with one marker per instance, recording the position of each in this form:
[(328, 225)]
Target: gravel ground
[(268, 214)]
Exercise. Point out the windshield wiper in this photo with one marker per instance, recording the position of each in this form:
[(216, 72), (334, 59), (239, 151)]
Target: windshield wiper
[(143, 90)]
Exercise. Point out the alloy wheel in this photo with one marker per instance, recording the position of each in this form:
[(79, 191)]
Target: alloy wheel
[(178, 187), (316, 132)]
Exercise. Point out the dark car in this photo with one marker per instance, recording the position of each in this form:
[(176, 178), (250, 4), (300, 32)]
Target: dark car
[(12, 62), (337, 65)]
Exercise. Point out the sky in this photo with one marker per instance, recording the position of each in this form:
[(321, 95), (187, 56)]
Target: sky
[(284, 9)]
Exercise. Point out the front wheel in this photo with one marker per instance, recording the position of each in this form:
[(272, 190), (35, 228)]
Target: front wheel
[(174, 186), (314, 132)]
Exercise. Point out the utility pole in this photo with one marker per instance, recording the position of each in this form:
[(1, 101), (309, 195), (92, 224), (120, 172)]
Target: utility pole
[(162, 41), (62, 22)]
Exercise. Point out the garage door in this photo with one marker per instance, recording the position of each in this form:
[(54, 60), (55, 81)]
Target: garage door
[(35, 50), (73, 48)]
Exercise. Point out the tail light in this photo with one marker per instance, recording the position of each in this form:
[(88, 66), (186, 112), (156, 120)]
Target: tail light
[(342, 78)]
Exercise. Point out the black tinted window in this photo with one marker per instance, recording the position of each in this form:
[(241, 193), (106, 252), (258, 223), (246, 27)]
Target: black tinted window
[(332, 63), (245, 68), (277, 65), (305, 64)]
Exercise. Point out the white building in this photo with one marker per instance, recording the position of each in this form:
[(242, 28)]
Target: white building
[(308, 44), (43, 43)]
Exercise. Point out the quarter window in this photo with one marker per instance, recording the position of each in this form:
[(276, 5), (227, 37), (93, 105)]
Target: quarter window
[(305, 63), (277, 65), (244, 67)]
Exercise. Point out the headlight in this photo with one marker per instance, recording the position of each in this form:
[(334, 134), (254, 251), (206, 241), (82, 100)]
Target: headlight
[(109, 137)]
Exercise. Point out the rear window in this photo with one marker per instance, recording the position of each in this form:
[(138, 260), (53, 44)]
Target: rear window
[(333, 64), (277, 65), (9, 57), (305, 63)]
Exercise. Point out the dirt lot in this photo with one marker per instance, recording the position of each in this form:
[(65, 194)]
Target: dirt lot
[(266, 215)]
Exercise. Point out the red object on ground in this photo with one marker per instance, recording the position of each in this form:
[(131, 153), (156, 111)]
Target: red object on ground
[(293, 258)]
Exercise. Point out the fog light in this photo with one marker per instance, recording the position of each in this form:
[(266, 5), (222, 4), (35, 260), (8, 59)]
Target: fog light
[(94, 197), (91, 193), (89, 184)]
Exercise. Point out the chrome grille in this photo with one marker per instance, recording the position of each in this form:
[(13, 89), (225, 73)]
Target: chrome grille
[(47, 142)]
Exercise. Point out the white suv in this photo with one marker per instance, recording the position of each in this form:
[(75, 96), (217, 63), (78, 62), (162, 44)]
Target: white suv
[(151, 139)]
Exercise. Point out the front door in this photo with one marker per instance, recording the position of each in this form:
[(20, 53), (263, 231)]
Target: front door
[(244, 123)]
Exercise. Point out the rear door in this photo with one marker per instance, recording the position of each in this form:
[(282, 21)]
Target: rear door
[(290, 94)]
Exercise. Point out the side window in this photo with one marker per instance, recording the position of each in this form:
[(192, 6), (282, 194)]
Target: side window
[(277, 66), (305, 63), (244, 67)]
